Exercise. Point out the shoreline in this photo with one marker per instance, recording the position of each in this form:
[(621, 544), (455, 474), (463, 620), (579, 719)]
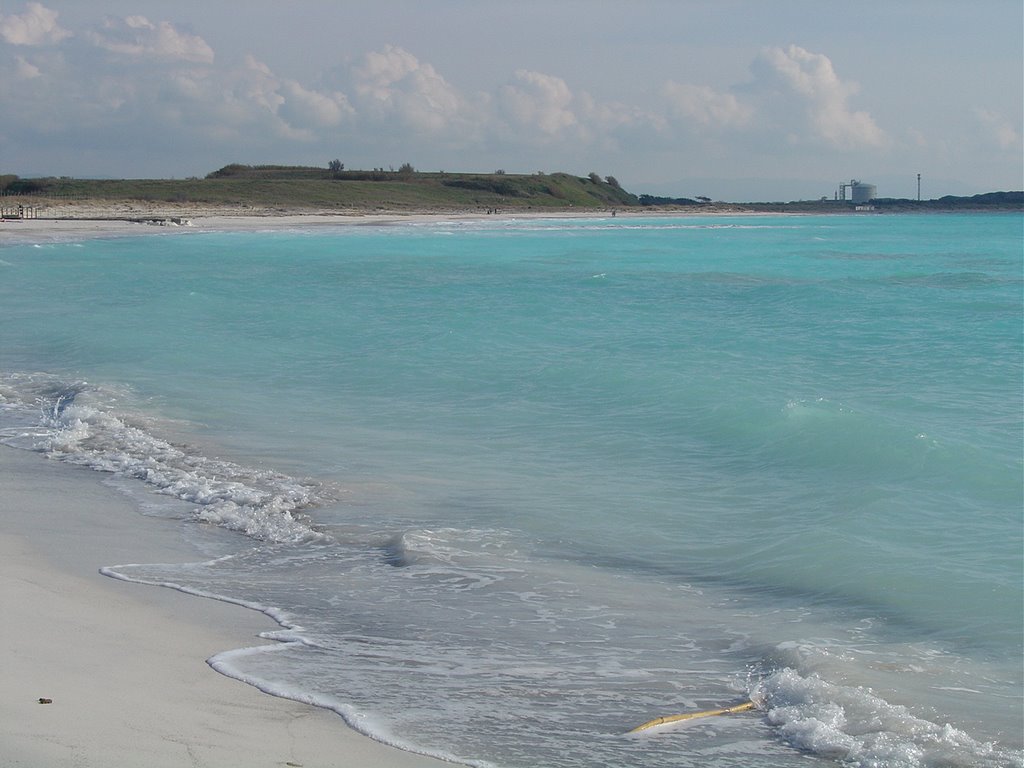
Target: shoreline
[(92, 223), (112, 215), (124, 665), (114, 218)]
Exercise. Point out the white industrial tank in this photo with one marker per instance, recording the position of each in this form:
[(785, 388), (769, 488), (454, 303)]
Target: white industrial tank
[(862, 193)]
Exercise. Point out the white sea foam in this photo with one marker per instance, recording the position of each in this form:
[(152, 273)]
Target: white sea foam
[(857, 728), (228, 664), (83, 424), (854, 725)]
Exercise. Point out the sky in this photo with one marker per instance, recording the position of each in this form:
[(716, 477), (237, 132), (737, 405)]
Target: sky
[(742, 100)]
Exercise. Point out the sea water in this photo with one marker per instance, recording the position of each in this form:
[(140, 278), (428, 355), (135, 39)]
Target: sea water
[(513, 487)]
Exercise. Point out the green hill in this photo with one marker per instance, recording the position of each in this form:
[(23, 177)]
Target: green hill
[(299, 187), (285, 188)]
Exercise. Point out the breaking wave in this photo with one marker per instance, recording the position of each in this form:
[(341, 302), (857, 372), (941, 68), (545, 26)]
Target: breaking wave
[(79, 423)]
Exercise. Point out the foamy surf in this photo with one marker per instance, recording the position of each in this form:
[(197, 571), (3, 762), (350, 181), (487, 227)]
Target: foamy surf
[(82, 424), (852, 725)]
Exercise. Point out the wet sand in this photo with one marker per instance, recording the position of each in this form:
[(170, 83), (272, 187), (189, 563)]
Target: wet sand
[(123, 666)]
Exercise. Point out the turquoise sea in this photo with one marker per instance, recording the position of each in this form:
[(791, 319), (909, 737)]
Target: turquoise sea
[(512, 487)]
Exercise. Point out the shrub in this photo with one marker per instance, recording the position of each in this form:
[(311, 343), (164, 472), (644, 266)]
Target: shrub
[(233, 169)]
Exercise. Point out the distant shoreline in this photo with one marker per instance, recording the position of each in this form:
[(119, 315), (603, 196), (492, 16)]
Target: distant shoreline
[(275, 191), (114, 218), (157, 212)]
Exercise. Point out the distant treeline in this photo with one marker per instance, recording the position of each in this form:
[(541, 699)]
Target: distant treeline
[(282, 172), (404, 188), (649, 200), (407, 188), (572, 190), (988, 199)]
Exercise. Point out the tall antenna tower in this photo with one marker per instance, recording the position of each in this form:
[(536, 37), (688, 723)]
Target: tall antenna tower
[(919, 187)]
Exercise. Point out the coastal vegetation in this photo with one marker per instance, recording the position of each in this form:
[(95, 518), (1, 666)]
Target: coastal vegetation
[(405, 189), (333, 188), (989, 201)]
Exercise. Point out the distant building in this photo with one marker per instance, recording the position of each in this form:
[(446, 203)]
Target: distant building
[(863, 193), (859, 191)]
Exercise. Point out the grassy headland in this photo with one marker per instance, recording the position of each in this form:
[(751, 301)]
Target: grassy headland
[(272, 189), (323, 190)]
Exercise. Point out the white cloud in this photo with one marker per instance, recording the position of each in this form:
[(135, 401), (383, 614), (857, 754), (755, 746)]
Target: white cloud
[(537, 101), (996, 126), (138, 36), (705, 106), (608, 119), (245, 102), (26, 70), (255, 85), (393, 84), (136, 75), (917, 138), (253, 101), (312, 108), (36, 26), (793, 81), (380, 71)]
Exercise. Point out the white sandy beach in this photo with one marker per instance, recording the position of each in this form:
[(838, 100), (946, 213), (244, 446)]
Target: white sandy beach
[(124, 664), (99, 222), (97, 219)]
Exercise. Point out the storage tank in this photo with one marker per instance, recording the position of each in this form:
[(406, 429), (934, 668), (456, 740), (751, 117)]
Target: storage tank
[(862, 193)]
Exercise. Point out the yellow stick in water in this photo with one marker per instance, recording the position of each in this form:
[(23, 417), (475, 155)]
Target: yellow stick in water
[(744, 707)]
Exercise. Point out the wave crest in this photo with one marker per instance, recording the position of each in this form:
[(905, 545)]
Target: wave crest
[(857, 728), (82, 424)]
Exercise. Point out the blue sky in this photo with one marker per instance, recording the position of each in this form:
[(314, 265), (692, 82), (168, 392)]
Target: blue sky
[(734, 99)]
